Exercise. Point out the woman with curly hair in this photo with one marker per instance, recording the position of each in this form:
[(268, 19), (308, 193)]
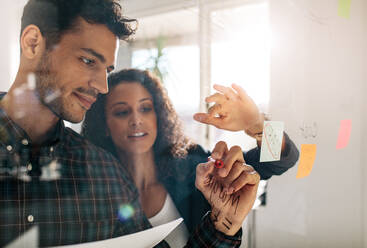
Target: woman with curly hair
[(137, 123)]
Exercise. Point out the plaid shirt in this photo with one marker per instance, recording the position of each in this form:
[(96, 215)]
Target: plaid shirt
[(74, 192)]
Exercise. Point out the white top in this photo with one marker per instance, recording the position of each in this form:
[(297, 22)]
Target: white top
[(179, 236)]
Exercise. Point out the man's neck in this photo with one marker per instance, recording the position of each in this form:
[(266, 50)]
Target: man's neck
[(24, 108)]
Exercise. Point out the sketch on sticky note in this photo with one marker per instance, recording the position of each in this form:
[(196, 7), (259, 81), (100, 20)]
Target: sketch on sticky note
[(271, 144), (308, 130), (271, 140)]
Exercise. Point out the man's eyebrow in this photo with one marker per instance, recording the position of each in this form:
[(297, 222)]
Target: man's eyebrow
[(95, 54)]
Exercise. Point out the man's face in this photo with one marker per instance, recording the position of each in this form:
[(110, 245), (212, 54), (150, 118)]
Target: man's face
[(72, 74)]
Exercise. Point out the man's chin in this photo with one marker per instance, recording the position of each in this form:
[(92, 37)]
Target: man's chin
[(73, 117), (67, 113), (74, 120)]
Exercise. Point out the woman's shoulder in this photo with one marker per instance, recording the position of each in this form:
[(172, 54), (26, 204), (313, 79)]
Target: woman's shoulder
[(195, 155), (198, 153)]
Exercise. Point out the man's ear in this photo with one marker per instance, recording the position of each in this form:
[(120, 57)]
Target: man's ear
[(32, 42)]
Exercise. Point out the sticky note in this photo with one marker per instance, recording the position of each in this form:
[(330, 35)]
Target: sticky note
[(271, 144), (344, 134), (344, 8), (307, 159)]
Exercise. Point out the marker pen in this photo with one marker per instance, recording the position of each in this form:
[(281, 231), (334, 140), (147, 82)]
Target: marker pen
[(217, 162)]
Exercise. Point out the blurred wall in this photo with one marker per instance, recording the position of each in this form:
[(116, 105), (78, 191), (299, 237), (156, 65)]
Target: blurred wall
[(10, 15), (318, 75)]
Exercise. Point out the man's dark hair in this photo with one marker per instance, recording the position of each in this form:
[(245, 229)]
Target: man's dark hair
[(56, 17)]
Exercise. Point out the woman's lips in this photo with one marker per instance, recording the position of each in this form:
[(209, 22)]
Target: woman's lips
[(137, 135)]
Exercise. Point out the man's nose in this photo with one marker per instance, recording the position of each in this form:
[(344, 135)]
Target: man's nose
[(100, 83)]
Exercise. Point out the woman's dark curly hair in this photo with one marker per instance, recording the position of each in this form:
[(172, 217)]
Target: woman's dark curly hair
[(170, 139)]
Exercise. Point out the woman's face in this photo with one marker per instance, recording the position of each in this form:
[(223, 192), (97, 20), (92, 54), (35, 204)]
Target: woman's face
[(131, 118)]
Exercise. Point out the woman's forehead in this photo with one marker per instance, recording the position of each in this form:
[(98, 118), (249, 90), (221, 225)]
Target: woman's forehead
[(128, 92)]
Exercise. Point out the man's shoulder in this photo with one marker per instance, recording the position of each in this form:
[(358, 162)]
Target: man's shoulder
[(76, 142), (84, 152)]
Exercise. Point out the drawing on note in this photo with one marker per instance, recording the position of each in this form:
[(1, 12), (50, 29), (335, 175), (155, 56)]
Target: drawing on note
[(272, 138), (308, 130)]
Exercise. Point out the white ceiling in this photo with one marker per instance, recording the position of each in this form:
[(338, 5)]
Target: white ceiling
[(170, 24)]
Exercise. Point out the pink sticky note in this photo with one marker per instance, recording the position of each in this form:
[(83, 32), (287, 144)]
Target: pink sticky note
[(344, 134)]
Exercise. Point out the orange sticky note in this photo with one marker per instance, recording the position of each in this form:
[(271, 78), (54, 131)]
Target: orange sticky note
[(344, 134), (308, 155)]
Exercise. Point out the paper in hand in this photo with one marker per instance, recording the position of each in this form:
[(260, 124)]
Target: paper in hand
[(144, 239)]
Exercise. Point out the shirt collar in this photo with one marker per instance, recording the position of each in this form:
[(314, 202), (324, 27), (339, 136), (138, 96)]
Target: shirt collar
[(13, 135)]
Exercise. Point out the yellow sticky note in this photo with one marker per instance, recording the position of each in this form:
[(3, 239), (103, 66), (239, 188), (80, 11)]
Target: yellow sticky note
[(344, 8), (308, 155)]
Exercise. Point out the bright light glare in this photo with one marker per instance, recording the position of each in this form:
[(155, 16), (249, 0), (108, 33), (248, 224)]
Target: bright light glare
[(242, 53), (180, 66)]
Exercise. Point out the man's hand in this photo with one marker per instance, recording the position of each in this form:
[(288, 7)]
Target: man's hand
[(231, 190), (233, 110)]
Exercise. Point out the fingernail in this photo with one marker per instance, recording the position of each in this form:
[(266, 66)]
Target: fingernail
[(215, 155), (211, 159)]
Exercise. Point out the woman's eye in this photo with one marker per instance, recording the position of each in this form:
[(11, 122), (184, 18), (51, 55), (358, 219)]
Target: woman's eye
[(146, 109), (121, 113)]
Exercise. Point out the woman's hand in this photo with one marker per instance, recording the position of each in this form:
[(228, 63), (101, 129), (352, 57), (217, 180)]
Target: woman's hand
[(231, 190), (233, 110)]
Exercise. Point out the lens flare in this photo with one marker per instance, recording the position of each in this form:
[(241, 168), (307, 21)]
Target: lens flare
[(125, 212)]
